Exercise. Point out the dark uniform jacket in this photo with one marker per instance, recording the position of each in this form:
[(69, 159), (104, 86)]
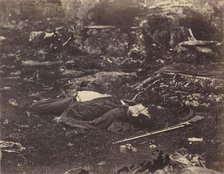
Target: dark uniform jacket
[(103, 113)]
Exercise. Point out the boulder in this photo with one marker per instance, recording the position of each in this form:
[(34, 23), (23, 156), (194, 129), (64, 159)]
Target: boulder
[(106, 82), (106, 41)]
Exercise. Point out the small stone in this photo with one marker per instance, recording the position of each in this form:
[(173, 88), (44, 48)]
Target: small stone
[(101, 163), (70, 144), (12, 102), (5, 122), (152, 146), (6, 88), (194, 139)]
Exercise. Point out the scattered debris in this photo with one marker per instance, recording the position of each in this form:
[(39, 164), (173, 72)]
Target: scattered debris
[(16, 73), (185, 163), (11, 147), (32, 63), (75, 132), (197, 160), (70, 144), (185, 84), (197, 45), (102, 163), (6, 122), (127, 148), (78, 170), (67, 41), (194, 159), (6, 88), (100, 27), (72, 73), (12, 102), (35, 34), (39, 35), (107, 42), (23, 126), (48, 35), (159, 160), (194, 139), (179, 159), (135, 53), (51, 41), (152, 146), (198, 170), (2, 38)]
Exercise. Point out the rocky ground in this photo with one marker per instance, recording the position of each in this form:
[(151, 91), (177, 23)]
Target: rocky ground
[(28, 73)]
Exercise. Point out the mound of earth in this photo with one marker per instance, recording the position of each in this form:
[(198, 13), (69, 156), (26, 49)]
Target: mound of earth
[(106, 82)]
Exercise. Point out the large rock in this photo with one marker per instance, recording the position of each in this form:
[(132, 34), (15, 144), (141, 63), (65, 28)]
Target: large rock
[(104, 63), (169, 23), (110, 42), (106, 82)]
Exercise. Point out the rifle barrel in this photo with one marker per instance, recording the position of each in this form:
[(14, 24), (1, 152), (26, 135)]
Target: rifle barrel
[(180, 125), (150, 133)]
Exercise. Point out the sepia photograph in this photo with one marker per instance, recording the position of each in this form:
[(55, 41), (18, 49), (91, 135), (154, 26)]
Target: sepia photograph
[(112, 86)]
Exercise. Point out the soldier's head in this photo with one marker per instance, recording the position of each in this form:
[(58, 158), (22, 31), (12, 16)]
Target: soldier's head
[(138, 110)]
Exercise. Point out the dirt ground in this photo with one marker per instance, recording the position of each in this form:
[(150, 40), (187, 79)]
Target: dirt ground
[(51, 148)]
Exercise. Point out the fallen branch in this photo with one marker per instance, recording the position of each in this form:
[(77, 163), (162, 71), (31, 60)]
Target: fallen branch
[(147, 81), (145, 89), (101, 27), (32, 63), (66, 42), (180, 125), (191, 38), (190, 77)]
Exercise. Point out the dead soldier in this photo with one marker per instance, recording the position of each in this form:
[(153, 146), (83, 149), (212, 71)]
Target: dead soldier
[(92, 110)]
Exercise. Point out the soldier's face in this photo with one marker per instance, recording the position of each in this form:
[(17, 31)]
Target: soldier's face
[(138, 109)]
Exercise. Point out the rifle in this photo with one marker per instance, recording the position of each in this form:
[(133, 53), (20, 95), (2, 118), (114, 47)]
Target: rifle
[(180, 125)]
